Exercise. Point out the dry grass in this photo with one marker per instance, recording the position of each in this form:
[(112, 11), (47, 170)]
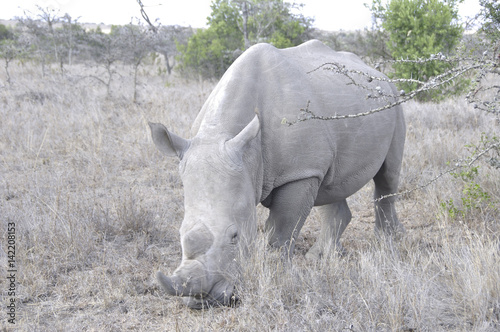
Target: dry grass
[(97, 211)]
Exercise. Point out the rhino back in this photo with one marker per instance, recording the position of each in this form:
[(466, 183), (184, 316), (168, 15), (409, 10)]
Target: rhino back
[(276, 84)]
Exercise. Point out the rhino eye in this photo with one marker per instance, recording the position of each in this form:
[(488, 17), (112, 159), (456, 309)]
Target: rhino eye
[(234, 238)]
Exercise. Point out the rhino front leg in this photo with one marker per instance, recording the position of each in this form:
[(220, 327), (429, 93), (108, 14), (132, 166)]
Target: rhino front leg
[(334, 219), (289, 207)]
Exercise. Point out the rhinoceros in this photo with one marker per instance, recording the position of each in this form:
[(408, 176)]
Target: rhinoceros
[(241, 155)]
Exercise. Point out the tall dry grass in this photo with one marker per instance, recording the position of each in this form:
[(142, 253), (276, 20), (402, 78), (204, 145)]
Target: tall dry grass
[(97, 212)]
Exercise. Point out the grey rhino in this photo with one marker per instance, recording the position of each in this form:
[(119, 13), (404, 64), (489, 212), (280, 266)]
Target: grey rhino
[(242, 155)]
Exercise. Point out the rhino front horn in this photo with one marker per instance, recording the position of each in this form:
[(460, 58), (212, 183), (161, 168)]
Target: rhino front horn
[(169, 284)]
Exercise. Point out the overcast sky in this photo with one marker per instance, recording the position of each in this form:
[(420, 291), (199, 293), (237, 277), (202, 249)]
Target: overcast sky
[(329, 14)]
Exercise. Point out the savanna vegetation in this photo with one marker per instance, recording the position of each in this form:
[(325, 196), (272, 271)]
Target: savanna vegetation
[(97, 209)]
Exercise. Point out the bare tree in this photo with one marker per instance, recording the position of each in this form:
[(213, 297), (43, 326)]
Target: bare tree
[(138, 43), (50, 17), (106, 50), (9, 50), (68, 37), (166, 41)]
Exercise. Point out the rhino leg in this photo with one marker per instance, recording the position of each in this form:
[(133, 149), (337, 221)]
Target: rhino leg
[(386, 183), (334, 219), (289, 207)]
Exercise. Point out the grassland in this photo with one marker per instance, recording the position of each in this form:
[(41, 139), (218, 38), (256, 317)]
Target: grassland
[(97, 210)]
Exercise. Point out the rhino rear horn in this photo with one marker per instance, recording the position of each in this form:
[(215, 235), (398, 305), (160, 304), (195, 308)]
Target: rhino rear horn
[(168, 143)]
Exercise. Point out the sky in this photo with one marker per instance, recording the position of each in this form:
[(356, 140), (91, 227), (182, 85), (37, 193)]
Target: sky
[(331, 15)]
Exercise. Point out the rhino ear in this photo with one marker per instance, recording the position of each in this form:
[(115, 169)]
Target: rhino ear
[(168, 143), (248, 133)]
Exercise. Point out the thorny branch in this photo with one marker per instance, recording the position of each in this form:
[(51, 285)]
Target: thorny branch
[(377, 92), (480, 67), (146, 17), (460, 164)]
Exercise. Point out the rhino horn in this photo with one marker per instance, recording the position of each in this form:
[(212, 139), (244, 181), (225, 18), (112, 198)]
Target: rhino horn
[(245, 136), (170, 284)]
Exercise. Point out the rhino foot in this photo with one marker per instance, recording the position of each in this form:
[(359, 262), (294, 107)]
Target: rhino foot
[(317, 252), (394, 232)]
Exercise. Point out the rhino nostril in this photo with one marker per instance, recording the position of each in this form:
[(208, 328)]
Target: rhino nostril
[(230, 299), (234, 301)]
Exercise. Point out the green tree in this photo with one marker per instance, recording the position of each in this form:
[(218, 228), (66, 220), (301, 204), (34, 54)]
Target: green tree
[(5, 33), (491, 15), (209, 52), (273, 21), (288, 31), (235, 25), (419, 29)]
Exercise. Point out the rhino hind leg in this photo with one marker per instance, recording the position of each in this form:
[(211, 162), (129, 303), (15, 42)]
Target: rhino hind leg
[(334, 219), (386, 184), (289, 207)]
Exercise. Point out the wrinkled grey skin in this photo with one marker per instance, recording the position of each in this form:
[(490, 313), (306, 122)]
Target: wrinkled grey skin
[(238, 159)]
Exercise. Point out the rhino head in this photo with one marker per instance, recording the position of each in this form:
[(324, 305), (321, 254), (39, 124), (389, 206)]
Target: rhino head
[(220, 194)]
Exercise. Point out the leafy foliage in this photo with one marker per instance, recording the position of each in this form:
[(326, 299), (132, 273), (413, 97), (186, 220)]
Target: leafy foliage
[(235, 25), (209, 51), (419, 29), (368, 44), (272, 21), (491, 15), (5, 33), (473, 196)]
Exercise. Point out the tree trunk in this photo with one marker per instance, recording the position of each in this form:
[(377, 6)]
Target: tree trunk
[(167, 63), (7, 71), (136, 69), (110, 76), (245, 25)]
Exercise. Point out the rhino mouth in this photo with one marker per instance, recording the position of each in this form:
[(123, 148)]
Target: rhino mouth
[(199, 302), (220, 295)]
